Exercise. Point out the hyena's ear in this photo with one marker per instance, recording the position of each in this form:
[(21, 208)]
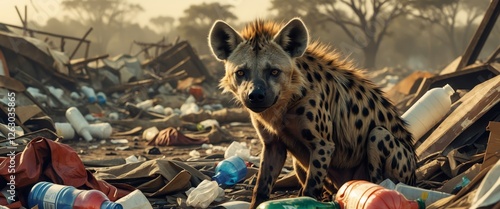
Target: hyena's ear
[(223, 39), (293, 38)]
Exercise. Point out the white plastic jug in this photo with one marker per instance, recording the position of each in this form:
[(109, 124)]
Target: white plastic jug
[(428, 110)]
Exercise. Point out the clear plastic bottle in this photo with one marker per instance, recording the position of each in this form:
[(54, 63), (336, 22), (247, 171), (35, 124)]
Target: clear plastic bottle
[(229, 171), (49, 195), (298, 202), (360, 194), (428, 110)]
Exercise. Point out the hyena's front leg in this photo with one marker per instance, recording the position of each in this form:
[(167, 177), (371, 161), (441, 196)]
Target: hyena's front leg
[(321, 151), (272, 160)]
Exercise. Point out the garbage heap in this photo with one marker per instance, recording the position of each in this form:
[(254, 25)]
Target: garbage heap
[(160, 127)]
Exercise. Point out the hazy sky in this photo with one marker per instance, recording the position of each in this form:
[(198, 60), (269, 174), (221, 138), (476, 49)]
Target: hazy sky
[(42, 10)]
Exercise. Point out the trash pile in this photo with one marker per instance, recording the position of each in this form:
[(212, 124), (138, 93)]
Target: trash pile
[(158, 134)]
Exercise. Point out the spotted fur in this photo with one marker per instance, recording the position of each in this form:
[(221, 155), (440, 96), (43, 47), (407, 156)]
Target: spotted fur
[(305, 99)]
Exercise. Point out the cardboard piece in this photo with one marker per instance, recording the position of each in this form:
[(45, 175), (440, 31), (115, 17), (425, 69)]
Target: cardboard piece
[(492, 154)]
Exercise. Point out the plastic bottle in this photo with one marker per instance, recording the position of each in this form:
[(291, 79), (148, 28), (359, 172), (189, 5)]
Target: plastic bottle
[(100, 130), (48, 195), (65, 130), (229, 171), (89, 93), (360, 194), (101, 98), (135, 200), (79, 123), (428, 110), (428, 196), (146, 104), (298, 202)]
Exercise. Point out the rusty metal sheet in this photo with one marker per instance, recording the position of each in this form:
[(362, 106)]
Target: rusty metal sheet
[(472, 106)]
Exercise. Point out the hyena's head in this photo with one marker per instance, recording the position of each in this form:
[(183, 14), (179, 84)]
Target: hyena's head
[(259, 61)]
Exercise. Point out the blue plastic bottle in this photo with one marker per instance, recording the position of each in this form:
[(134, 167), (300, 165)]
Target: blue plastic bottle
[(53, 196), (229, 171)]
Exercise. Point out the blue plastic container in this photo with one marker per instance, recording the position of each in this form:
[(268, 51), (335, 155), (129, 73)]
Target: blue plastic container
[(230, 171), (53, 196)]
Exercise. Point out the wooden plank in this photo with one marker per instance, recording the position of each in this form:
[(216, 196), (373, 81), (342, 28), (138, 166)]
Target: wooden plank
[(46, 33), (80, 43), (481, 35), (472, 106)]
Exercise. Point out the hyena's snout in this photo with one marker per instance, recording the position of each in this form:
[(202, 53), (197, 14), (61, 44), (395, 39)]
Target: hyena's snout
[(259, 98)]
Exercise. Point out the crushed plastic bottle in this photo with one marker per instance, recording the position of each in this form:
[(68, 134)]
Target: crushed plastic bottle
[(204, 194), (135, 200), (230, 171)]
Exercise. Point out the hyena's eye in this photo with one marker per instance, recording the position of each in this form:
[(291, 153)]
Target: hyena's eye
[(240, 73), (275, 72)]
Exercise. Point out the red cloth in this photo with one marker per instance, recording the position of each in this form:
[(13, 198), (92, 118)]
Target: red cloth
[(172, 137), (47, 160)]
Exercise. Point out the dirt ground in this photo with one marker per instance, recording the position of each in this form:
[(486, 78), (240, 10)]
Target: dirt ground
[(105, 150)]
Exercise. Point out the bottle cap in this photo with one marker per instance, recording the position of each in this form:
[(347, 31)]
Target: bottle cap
[(421, 203), (449, 90)]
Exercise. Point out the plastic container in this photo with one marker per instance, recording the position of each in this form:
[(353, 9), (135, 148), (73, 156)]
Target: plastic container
[(428, 110), (412, 193), (237, 149), (89, 93), (150, 133), (146, 104), (135, 200), (101, 98), (298, 202), (57, 92), (100, 130), (360, 194), (79, 123), (230, 171), (48, 196), (204, 194), (65, 130)]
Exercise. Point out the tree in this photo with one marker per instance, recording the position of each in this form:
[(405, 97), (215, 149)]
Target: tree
[(449, 15), (197, 20), (164, 23), (365, 22), (107, 17)]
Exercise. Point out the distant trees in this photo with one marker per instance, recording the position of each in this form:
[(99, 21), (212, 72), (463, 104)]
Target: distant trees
[(105, 16), (365, 22), (198, 19), (164, 23), (454, 18)]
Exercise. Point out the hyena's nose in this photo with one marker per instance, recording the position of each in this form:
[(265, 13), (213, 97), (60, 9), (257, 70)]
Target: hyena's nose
[(257, 96)]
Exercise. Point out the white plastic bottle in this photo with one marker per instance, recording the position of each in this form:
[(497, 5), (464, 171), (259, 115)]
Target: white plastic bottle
[(428, 110), (100, 130), (65, 130), (79, 123), (89, 93)]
